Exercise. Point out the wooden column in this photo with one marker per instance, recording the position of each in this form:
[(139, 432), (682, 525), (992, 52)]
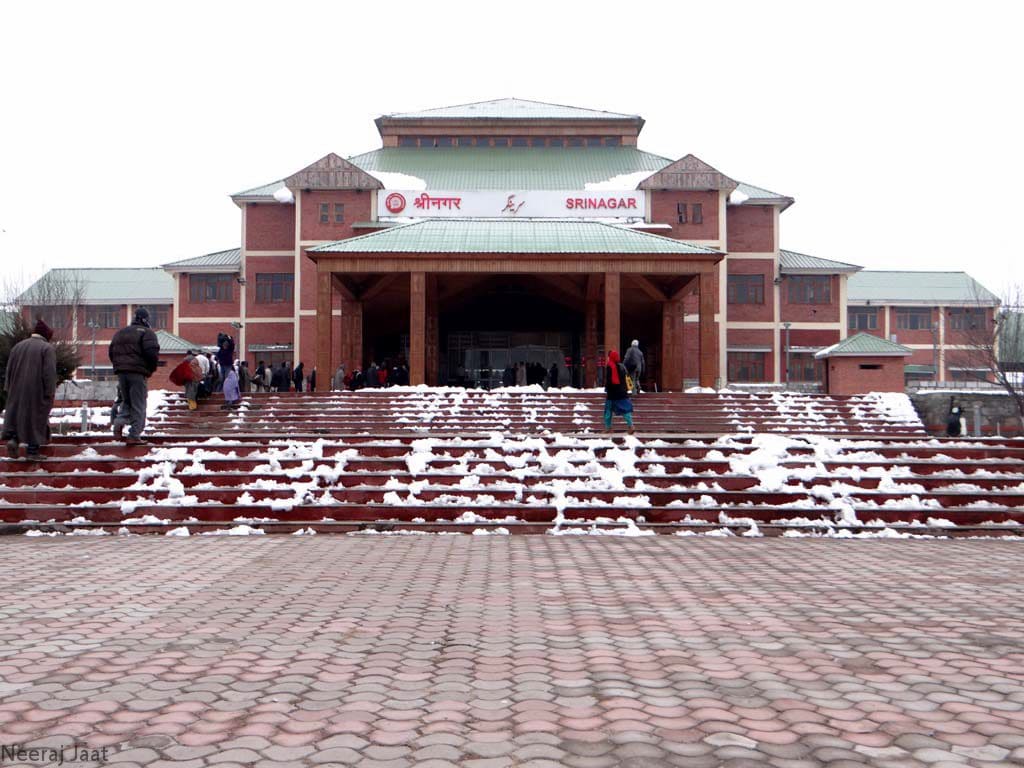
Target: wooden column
[(417, 327), (324, 324), (351, 333), (612, 312), (590, 365), (672, 345), (432, 342), (708, 333)]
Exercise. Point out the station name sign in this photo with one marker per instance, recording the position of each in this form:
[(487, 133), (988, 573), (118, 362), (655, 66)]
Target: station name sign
[(550, 204)]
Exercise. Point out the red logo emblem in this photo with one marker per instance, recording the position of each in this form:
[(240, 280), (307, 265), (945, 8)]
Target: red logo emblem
[(395, 203)]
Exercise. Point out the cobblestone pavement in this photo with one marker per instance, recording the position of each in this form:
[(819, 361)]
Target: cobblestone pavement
[(525, 651)]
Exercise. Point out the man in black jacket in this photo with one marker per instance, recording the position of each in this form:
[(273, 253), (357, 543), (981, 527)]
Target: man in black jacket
[(134, 352)]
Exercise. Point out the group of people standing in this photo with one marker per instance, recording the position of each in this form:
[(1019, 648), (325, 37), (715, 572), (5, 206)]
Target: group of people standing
[(523, 374), (387, 374)]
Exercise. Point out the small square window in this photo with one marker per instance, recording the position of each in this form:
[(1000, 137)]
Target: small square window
[(339, 213), (698, 213), (681, 212), (325, 213)]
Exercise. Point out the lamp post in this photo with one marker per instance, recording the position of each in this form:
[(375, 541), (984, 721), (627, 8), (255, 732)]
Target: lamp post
[(93, 326), (786, 325), (935, 352)]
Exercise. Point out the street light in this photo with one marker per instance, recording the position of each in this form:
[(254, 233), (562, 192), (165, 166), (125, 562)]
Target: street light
[(935, 351), (93, 326)]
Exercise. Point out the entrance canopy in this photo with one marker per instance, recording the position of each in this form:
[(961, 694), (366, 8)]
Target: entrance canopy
[(426, 251)]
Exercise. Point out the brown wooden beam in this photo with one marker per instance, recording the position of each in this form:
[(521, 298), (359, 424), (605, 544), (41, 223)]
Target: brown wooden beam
[(417, 327), (566, 284), (647, 286), (377, 286), (680, 287), (708, 332), (672, 345), (324, 324), (612, 311), (342, 287), (594, 284)]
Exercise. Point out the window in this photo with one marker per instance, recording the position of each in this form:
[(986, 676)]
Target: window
[(325, 213), (862, 319), (681, 212), (746, 366), (698, 213), (745, 289), (407, 141), (57, 317), (612, 141), (536, 141), (803, 368), (444, 141), (593, 141), (159, 317), (339, 213), (207, 289), (966, 319), (810, 289), (575, 141), (483, 141), (501, 141), (519, 141), (465, 141), (556, 142), (426, 141), (107, 316), (908, 319), (275, 288)]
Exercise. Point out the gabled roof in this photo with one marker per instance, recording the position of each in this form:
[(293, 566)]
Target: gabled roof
[(332, 172), (263, 191), (689, 172), (100, 285), (791, 262), (930, 288), (218, 261), (512, 168), (509, 109), (865, 345), (761, 196), (511, 236)]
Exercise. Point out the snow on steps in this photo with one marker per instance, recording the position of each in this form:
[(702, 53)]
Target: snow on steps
[(405, 481)]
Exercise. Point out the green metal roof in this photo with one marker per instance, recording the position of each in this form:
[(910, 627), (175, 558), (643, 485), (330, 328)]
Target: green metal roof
[(510, 236), (231, 258), (265, 190), (101, 286), (791, 261), (171, 344), (926, 370), (933, 288), (510, 167), (864, 345), (510, 109)]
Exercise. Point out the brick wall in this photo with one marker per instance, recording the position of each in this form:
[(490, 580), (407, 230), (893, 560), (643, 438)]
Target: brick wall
[(848, 376), (269, 227), (664, 210), (750, 228)]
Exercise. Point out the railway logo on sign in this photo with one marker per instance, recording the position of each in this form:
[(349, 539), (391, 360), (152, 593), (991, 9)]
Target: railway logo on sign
[(395, 202)]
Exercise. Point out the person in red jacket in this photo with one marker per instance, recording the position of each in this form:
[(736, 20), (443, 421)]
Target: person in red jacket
[(616, 394)]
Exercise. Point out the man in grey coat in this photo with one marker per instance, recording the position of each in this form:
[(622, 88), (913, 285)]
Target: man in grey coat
[(134, 353), (31, 385), (634, 363)]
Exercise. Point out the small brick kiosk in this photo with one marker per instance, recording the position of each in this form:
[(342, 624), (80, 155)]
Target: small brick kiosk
[(864, 363)]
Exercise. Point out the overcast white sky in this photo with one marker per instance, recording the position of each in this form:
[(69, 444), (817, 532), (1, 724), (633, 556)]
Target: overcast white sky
[(895, 125)]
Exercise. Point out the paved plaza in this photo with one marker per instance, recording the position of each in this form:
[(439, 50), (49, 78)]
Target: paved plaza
[(511, 651)]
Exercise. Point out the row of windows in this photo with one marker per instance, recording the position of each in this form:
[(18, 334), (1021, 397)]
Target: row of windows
[(271, 288), (915, 319), (101, 317), (802, 289), (509, 141), (752, 367), (696, 213)]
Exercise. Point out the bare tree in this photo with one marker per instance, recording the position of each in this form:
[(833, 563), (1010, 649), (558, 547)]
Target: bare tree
[(996, 350), (56, 299)]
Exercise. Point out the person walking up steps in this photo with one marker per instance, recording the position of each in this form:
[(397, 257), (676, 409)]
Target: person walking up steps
[(616, 396), (634, 364), (134, 352), (31, 385)]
